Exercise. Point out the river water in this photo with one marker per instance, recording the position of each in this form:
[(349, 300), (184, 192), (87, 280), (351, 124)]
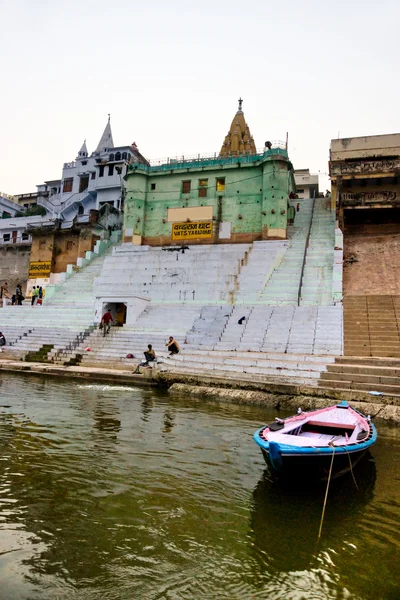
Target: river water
[(112, 492)]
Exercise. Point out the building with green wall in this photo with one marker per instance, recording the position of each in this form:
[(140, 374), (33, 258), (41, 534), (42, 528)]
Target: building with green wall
[(238, 196)]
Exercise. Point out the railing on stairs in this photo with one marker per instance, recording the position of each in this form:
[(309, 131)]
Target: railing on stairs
[(61, 206), (73, 345), (305, 252)]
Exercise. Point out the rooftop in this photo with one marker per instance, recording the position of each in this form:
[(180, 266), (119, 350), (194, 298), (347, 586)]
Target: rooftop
[(210, 160)]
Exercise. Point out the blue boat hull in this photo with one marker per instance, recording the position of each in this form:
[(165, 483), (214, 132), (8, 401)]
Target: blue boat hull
[(314, 466)]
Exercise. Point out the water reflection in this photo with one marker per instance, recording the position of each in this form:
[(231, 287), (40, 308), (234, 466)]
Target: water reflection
[(285, 519), (169, 420), (106, 421), (147, 407), (108, 492)]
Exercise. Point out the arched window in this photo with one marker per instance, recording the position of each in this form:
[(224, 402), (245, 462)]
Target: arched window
[(118, 156), (81, 210), (124, 156), (111, 157)]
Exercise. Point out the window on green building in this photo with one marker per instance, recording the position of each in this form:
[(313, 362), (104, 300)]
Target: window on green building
[(220, 184), (186, 185), (203, 184), (153, 186)]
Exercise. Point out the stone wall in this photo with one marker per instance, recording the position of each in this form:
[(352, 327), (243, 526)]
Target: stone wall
[(14, 265), (62, 248)]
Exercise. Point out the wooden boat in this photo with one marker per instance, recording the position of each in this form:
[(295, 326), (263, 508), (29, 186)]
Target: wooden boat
[(304, 444)]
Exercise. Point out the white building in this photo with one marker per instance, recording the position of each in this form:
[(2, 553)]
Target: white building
[(16, 230), (90, 181), (306, 183), (8, 208)]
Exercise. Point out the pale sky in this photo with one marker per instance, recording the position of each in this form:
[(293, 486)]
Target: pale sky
[(170, 73)]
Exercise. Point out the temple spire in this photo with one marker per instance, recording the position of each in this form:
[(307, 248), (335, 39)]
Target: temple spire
[(239, 139), (83, 151), (106, 140)]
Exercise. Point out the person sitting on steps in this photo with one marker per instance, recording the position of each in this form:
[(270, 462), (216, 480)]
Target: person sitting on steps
[(149, 355), (173, 346)]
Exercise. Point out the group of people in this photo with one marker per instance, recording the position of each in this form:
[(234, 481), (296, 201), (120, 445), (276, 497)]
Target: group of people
[(37, 295), (150, 355), (17, 298)]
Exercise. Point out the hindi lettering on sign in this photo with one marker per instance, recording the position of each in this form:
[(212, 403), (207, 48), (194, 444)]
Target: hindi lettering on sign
[(39, 269), (190, 230)]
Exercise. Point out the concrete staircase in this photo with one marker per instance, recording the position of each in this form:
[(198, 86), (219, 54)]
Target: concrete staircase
[(298, 369), (372, 326), (201, 274), (316, 287), (283, 286), (285, 329), (263, 259), (77, 290), (380, 375), (153, 326), (61, 322)]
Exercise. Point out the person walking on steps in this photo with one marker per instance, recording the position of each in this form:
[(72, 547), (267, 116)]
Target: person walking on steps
[(173, 346), (106, 322)]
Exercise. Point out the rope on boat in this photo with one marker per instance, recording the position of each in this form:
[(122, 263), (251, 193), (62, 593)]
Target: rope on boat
[(326, 493)]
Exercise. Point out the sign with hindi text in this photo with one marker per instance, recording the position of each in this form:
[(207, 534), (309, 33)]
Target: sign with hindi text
[(39, 268), (191, 230)]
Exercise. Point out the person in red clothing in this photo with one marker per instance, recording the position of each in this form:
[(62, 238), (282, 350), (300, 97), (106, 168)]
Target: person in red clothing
[(106, 320)]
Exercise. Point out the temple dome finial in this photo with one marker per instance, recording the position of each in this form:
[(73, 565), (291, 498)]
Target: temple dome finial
[(239, 139)]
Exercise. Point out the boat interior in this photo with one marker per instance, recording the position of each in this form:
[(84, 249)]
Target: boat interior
[(341, 429)]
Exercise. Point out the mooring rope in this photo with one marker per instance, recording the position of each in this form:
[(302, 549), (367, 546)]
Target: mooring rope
[(351, 471), (326, 493)]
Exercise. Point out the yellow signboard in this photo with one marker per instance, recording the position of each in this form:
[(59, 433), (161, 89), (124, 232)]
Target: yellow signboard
[(194, 229), (39, 268)]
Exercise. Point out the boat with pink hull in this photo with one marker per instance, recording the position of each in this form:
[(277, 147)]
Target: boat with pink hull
[(311, 443)]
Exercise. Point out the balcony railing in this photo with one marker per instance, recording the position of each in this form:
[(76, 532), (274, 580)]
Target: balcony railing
[(199, 158), (17, 240)]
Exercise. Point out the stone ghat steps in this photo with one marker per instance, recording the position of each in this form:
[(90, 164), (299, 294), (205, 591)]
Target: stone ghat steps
[(363, 374), (77, 290), (303, 367), (372, 326)]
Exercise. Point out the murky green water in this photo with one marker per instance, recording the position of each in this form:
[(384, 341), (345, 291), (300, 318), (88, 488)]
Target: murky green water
[(111, 493)]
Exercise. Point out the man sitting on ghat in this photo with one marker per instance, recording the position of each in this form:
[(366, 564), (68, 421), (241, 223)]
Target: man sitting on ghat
[(173, 346)]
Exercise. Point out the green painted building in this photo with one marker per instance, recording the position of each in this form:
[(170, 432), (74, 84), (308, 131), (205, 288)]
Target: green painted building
[(240, 195)]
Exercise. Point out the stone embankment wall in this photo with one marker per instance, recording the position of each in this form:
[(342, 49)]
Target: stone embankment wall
[(14, 265), (387, 412)]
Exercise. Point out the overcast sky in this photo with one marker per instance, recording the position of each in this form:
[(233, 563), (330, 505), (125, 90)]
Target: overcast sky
[(170, 74)]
